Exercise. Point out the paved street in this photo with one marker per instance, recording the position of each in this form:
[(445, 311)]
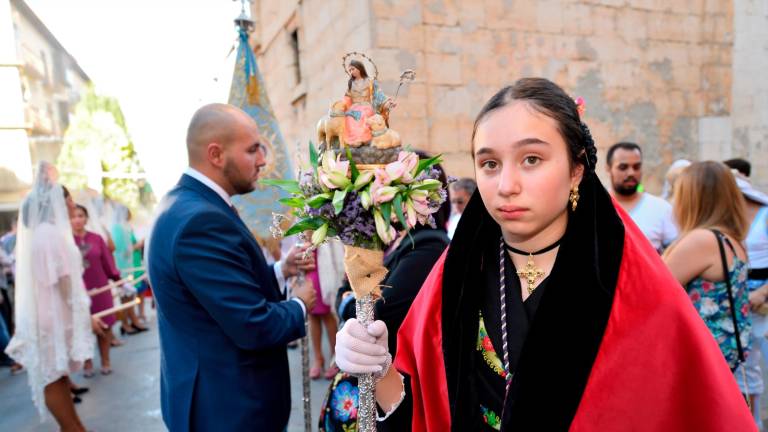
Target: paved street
[(127, 400)]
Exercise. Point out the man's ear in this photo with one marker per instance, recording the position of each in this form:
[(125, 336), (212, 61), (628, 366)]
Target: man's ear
[(214, 152)]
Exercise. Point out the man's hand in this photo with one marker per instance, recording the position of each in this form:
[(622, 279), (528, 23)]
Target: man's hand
[(306, 293), (98, 326), (296, 261), (758, 297)]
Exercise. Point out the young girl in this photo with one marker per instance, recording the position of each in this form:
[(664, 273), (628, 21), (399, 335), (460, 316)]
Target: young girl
[(99, 268), (550, 310)]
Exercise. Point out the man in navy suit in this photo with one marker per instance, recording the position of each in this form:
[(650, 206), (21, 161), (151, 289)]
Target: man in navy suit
[(223, 318)]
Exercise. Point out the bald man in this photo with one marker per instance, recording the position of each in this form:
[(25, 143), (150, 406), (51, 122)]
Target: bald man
[(222, 313)]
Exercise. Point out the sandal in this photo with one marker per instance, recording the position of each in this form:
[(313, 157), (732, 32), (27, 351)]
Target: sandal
[(88, 373), (115, 342), (315, 372), (130, 331), (77, 391), (331, 372), (106, 371)]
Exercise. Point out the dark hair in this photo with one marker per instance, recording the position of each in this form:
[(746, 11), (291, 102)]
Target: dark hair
[(83, 209), (359, 66), (443, 214), (466, 184), (624, 145), (65, 191), (741, 165), (549, 99)]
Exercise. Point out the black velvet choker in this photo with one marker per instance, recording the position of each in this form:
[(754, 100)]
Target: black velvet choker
[(538, 252)]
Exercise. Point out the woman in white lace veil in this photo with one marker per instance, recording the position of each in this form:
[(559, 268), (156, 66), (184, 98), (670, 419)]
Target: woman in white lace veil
[(53, 321)]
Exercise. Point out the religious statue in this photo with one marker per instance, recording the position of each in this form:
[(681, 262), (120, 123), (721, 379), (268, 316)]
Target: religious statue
[(360, 120), (363, 99)]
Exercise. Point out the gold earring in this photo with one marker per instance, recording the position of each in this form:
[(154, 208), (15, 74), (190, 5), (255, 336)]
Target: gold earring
[(573, 197)]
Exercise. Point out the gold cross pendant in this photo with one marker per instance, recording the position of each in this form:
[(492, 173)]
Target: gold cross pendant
[(531, 274)]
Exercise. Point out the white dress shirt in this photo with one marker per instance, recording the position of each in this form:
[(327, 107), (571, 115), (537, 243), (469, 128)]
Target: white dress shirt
[(278, 266)]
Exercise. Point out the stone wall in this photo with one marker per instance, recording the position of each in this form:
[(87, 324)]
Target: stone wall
[(658, 72), (326, 30), (750, 87)]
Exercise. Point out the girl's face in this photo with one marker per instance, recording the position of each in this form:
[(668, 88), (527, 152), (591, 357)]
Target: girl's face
[(523, 172), (78, 220), (354, 72)]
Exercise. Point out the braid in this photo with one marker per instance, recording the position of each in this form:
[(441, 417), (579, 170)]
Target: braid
[(590, 151)]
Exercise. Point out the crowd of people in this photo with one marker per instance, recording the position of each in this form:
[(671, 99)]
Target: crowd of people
[(68, 265)]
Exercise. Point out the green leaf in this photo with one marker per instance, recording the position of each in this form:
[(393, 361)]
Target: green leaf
[(386, 211), (426, 163), (338, 200), (428, 186), (312, 223), (290, 186), (319, 235), (313, 157), (352, 165), (398, 204), (318, 200), (295, 202)]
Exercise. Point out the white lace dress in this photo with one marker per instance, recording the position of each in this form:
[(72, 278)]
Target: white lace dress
[(53, 326)]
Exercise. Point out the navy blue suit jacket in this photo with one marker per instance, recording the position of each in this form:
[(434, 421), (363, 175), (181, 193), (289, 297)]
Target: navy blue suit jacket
[(224, 324)]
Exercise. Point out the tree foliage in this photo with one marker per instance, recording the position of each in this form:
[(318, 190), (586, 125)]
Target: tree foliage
[(97, 141)]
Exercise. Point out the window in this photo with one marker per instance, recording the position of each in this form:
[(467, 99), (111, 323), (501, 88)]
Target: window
[(59, 77), (63, 115), (45, 66), (295, 49)]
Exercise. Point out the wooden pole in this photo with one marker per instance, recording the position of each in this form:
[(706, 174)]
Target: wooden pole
[(111, 285), (117, 308), (133, 269)]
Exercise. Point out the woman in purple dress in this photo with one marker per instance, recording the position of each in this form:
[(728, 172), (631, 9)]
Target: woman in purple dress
[(99, 268)]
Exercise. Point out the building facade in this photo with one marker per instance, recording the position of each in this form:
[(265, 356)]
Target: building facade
[(675, 76), (43, 82)]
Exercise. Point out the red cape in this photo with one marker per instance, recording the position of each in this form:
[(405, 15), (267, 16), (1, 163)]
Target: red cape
[(658, 367)]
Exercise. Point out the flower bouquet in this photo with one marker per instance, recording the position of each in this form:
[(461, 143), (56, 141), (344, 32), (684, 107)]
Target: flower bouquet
[(365, 207)]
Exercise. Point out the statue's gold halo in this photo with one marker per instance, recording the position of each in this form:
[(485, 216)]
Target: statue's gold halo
[(354, 55)]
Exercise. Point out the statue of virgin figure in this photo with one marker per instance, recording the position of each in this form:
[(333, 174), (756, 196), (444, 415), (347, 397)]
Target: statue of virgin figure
[(362, 100)]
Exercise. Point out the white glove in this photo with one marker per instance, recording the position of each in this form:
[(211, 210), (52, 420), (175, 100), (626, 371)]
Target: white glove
[(361, 351)]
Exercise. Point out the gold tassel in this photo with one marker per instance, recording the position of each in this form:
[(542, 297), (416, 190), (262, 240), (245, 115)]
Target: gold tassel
[(253, 90)]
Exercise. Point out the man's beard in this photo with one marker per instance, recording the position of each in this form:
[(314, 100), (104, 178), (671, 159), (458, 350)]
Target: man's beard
[(625, 190), (232, 174)]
